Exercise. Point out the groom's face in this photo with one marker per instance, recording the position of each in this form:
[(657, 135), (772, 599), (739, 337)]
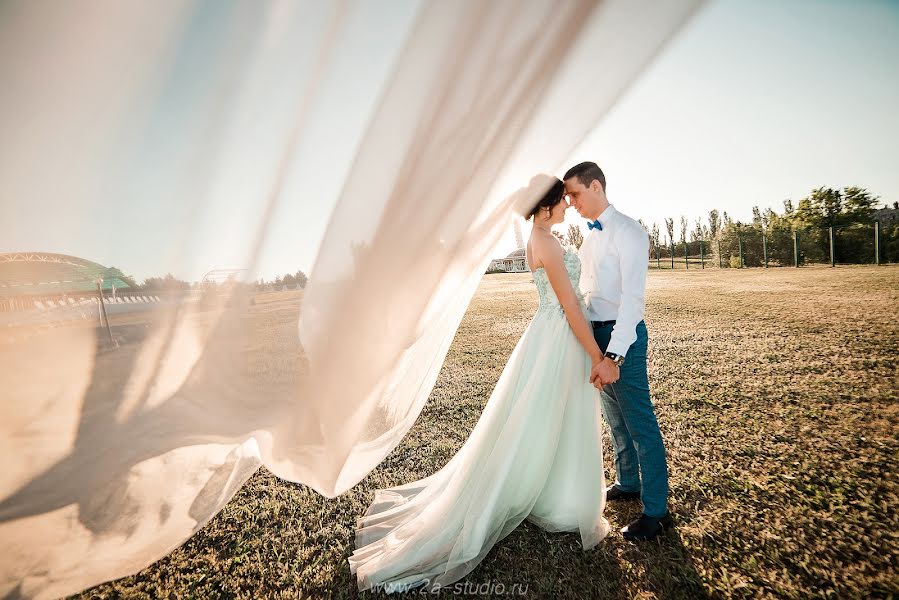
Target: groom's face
[(582, 198)]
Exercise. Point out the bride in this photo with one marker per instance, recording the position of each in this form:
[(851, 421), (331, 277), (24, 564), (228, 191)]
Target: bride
[(535, 453)]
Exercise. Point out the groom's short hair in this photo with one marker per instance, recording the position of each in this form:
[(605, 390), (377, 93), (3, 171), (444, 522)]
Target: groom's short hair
[(586, 172)]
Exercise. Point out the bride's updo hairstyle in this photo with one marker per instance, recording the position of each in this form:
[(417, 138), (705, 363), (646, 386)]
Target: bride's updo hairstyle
[(555, 190)]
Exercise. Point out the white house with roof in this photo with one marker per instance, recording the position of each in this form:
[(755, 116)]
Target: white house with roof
[(515, 262)]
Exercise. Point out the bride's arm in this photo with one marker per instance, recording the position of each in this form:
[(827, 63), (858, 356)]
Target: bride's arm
[(553, 258)]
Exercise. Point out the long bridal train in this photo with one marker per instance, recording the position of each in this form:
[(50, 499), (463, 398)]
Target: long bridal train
[(535, 454)]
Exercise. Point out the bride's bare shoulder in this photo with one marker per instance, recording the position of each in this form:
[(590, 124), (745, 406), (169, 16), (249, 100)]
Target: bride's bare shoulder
[(545, 245)]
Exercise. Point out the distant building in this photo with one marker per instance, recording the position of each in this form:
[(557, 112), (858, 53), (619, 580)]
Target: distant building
[(888, 217), (27, 277), (515, 262)]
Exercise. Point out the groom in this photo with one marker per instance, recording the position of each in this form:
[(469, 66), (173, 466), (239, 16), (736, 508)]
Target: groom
[(614, 255)]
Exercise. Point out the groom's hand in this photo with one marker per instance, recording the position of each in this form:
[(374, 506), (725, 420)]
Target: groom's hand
[(604, 373)]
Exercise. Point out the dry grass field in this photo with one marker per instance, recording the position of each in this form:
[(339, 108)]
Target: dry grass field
[(777, 396)]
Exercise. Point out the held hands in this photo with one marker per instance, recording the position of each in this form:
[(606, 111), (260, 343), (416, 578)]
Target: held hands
[(604, 372)]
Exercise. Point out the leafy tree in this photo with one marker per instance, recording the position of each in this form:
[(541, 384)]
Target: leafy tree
[(858, 204), (849, 211), (301, 279), (758, 219), (821, 208), (735, 233), (714, 224), (575, 236), (167, 283), (697, 233), (788, 208), (890, 244), (669, 226), (779, 236)]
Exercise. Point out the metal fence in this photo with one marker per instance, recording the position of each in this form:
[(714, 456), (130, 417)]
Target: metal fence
[(859, 243)]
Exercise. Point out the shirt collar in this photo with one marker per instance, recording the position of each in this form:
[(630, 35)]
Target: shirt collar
[(606, 216)]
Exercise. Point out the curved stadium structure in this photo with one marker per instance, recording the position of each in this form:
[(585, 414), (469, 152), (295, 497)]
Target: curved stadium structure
[(29, 276)]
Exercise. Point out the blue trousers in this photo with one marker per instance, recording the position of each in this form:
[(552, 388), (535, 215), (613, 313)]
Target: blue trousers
[(639, 451)]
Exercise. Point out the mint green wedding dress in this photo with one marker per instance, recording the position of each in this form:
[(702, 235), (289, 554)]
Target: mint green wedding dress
[(535, 453)]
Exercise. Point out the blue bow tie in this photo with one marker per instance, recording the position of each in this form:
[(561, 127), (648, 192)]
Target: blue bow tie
[(594, 225)]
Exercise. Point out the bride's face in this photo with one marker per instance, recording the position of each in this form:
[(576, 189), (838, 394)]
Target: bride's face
[(556, 214)]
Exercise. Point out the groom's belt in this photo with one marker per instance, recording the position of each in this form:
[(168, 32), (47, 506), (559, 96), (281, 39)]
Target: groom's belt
[(602, 323)]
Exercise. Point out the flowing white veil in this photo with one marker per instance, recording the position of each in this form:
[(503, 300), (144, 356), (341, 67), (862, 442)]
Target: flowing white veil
[(142, 117)]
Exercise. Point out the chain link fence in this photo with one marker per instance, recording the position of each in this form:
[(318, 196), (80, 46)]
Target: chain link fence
[(747, 246)]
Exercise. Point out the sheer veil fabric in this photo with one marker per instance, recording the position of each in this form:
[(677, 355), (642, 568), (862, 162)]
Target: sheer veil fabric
[(155, 112)]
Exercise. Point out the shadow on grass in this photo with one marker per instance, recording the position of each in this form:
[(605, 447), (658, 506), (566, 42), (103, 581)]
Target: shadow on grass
[(663, 565)]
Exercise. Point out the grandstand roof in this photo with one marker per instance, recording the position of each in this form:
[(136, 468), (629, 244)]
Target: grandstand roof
[(517, 253), (32, 273)]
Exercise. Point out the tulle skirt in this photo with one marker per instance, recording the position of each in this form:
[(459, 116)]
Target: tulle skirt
[(535, 453)]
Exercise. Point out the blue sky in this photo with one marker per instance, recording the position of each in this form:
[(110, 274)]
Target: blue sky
[(753, 103)]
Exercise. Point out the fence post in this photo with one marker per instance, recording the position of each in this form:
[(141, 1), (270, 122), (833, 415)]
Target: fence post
[(796, 248), (701, 254), (876, 242), (672, 255), (833, 261), (765, 249), (740, 242), (719, 254), (686, 255), (103, 315)]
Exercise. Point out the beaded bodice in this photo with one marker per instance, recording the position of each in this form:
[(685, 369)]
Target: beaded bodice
[(547, 296)]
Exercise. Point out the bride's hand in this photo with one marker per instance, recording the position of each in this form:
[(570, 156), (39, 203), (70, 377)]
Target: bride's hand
[(594, 370), (604, 372), (596, 358)]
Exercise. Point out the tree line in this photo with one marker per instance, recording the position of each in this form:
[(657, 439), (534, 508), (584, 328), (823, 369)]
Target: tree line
[(850, 211), (296, 280), (169, 283)]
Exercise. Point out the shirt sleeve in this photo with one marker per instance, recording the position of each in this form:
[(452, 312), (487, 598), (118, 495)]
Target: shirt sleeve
[(633, 251)]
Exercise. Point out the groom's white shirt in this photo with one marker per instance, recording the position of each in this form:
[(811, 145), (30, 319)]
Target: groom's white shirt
[(613, 278)]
